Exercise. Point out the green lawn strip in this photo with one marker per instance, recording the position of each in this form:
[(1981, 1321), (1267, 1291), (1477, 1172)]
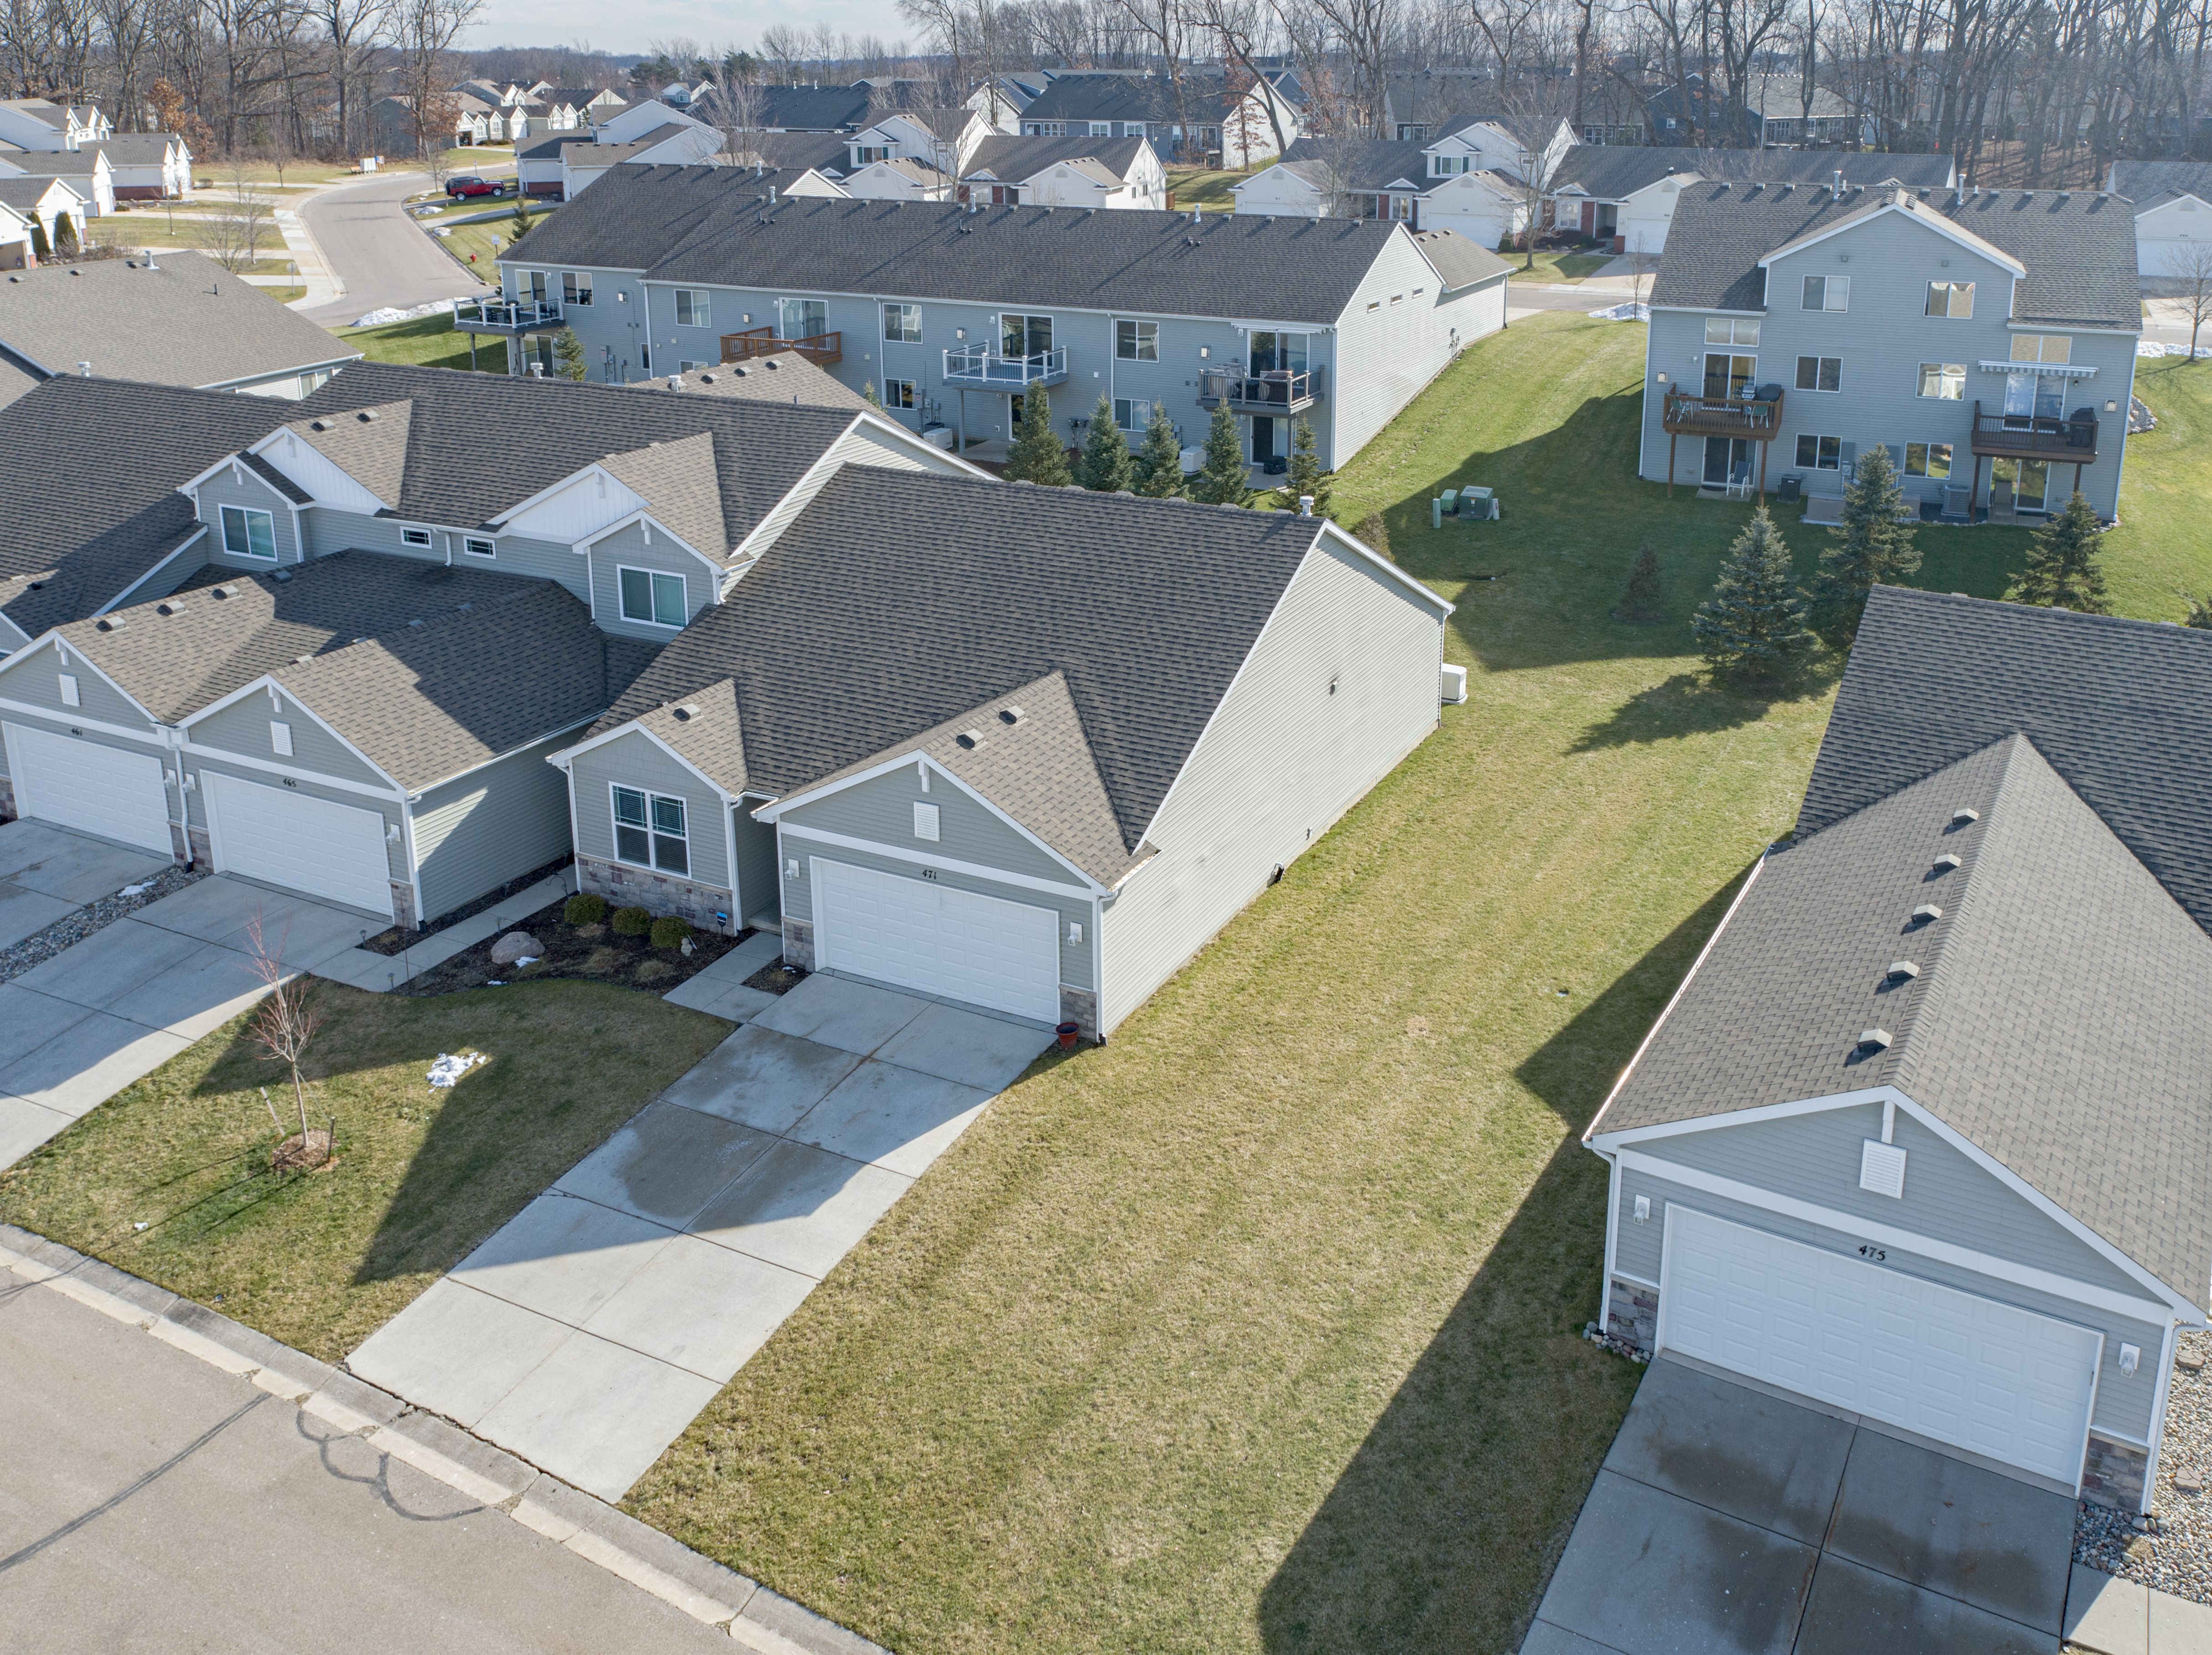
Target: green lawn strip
[(1555, 266), (427, 341), (321, 1261), (2159, 551), (1205, 189), (486, 242)]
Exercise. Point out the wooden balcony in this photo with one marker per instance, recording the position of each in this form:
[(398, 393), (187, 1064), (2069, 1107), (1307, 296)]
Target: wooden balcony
[(820, 349), (1275, 392), (1685, 414), (2020, 436)]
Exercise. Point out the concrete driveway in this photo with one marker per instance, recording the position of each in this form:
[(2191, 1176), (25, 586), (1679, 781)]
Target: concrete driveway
[(586, 1334), (1725, 1518), (47, 874), (77, 1029)]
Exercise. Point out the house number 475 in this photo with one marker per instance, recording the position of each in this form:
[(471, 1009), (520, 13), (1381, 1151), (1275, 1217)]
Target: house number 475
[(1872, 1254)]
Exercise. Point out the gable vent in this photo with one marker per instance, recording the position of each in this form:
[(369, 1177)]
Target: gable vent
[(1925, 912), (1901, 970), (1882, 1169), (1873, 1040), (1950, 859), (1962, 817)]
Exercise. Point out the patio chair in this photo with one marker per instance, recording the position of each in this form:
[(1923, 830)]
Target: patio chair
[(2002, 508), (1739, 483)]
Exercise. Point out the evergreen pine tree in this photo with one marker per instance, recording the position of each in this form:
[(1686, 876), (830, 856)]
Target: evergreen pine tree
[(41, 247), (569, 354), (2062, 570), (2200, 612), (1106, 466), (1639, 598), (1159, 466), (1304, 475), (1753, 628), (1220, 480), (1871, 546), (868, 395), (1036, 455), (64, 235)]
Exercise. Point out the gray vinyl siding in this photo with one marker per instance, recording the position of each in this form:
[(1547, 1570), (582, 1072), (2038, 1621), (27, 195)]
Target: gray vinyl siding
[(759, 891), (236, 486), (634, 759), (242, 728), (483, 829), (2124, 1400), (1815, 1157), (387, 807), (329, 529), (881, 810), (1075, 958), (33, 678), (1282, 759), (1881, 341), (627, 548), (1387, 354)]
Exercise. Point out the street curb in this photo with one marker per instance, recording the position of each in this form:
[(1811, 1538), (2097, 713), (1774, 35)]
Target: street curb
[(758, 1620)]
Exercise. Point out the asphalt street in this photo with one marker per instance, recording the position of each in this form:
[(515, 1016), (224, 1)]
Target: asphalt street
[(379, 254), (151, 1502)]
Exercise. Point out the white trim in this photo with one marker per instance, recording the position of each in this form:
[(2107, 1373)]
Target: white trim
[(123, 597), (498, 759), (1632, 1135), (278, 695), (1612, 1239), (1889, 1235), (1941, 226), (83, 660), (276, 554), (337, 783), (898, 853), (2157, 1444), (615, 826), (644, 514), (414, 862), (648, 571), (566, 756), (1330, 528)]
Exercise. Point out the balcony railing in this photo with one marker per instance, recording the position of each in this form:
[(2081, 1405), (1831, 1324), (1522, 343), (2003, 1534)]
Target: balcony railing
[(506, 315), (1684, 414), (979, 368), (2022, 436), (820, 349), (1271, 392)]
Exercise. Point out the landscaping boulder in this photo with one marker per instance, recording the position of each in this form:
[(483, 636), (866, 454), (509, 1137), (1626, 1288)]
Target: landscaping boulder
[(514, 946)]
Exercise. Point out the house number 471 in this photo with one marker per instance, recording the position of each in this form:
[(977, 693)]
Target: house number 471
[(1872, 1254)]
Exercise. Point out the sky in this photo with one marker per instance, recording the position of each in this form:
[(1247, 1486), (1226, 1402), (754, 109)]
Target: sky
[(629, 26)]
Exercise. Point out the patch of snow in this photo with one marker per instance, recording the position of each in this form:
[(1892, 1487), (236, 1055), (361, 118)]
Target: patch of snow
[(449, 1068)]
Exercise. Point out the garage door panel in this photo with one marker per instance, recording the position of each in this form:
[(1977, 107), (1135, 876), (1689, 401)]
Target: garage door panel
[(311, 845), (937, 940), (110, 791), (2002, 1381)]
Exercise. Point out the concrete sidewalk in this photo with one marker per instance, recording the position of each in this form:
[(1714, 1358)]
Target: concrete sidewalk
[(589, 1332), (2109, 1617), (47, 874), (359, 968)]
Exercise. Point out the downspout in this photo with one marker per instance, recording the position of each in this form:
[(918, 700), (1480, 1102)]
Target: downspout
[(730, 809), (407, 846)]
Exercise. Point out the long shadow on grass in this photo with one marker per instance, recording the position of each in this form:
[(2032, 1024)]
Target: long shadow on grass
[(1691, 704), (1442, 1532)]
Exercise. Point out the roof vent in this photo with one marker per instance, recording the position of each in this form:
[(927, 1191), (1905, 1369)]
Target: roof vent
[(1964, 817), (687, 712), (296, 660), (1901, 970), (418, 620), (675, 381), (318, 425), (1950, 859), (1926, 912), (706, 379), (112, 623), (367, 415), (280, 576), (172, 607), (970, 739), (772, 364), (1873, 1040), (1011, 714), (221, 591)]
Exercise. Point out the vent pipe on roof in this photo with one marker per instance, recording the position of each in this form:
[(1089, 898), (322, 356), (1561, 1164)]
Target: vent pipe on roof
[(1837, 189), (1305, 505), (84, 370), (675, 381), (146, 260)]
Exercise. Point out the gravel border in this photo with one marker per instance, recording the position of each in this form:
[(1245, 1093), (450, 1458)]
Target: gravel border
[(42, 946), (2170, 1549)]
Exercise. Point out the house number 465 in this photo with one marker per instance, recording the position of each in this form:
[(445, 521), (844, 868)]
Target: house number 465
[(1872, 1254)]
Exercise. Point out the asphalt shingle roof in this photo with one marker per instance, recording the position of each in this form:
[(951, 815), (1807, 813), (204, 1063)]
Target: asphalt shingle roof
[(1613, 171), (708, 224), (1126, 95), (2143, 181), (2079, 249), (1457, 261), (1146, 608), (1010, 158)]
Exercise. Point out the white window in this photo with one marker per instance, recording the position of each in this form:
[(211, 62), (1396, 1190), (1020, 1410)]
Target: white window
[(1132, 413), (924, 820), (2042, 347), (576, 287), (903, 324), (1399, 208), (1725, 329), (249, 533), (1945, 380), (280, 738), (479, 548), (1819, 373), (692, 308), (1951, 299), (649, 831), (1927, 459), (1819, 453), (1137, 342), (650, 596), (866, 154), (1447, 166), (802, 319), (414, 537), (1102, 129), (69, 691), (1827, 293), (900, 393)]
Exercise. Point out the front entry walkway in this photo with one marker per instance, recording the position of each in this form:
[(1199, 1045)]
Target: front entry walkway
[(1725, 1518), (587, 1333)]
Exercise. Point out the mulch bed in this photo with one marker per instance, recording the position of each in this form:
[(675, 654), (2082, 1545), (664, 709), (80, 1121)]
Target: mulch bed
[(397, 940), (592, 952)]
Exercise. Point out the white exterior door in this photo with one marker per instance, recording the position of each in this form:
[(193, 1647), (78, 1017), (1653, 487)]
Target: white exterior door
[(924, 936), (2000, 1381), (109, 791), (305, 844)]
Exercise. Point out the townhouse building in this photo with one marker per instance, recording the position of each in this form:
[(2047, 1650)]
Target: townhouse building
[(1213, 117), (1626, 195), (1475, 178), (2172, 203)]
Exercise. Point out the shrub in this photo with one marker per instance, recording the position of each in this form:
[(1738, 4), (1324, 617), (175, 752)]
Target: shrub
[(584, 907), (1376, 533), (1639, 600), (632, 922), (671, 931)]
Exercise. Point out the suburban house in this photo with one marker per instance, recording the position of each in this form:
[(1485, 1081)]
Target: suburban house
[(88, 172), (955, 313), (1429, 103), (1626, 196), (2174, 216), (1472, 179), (1079, 171), (143, 166), (1110, 724), (649, 133), (1986, 338), (42, 124), (44, 201), (39, 138), (1234, 122), (1775, 110), (392, 120), (328, 659), (1923, 1134), (178, 319)]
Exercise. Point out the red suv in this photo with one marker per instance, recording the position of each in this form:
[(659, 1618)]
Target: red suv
[(458, 188)]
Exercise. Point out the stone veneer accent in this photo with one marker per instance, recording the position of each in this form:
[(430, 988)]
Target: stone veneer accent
[(7, 800), (1631, 1313), (2115, 1473), (1080, 1007), (799, 943), (203, 853), (625, 887), (403, 905)]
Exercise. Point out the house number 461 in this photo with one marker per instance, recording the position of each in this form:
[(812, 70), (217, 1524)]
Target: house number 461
[(1872, 1254)]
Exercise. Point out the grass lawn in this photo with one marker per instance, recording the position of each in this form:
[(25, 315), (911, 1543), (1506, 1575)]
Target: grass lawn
[(485, 241), (1257, 1328), (427, 341), (1553, 266), (1206, 190), (321, 1261)]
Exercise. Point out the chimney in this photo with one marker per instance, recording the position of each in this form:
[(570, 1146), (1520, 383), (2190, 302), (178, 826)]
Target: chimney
[(1836, 189), (1305, 505)]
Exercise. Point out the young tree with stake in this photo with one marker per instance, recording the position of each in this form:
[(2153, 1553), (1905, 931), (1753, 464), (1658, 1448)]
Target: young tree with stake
[(282, 1028)]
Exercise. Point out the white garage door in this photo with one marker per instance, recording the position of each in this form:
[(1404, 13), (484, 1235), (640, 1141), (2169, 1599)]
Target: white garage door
[(109, 791), (1997, 1380), (286, 838), (922, 935)]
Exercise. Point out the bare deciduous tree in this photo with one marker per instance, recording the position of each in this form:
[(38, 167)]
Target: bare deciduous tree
[(283, 1026)]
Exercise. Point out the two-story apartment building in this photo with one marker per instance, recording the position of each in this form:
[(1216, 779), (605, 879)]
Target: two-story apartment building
[(953, 154), (1986, 338), (1236, 122), (956, 314), (2174, 216), (1472, 179), (1625, 194)]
